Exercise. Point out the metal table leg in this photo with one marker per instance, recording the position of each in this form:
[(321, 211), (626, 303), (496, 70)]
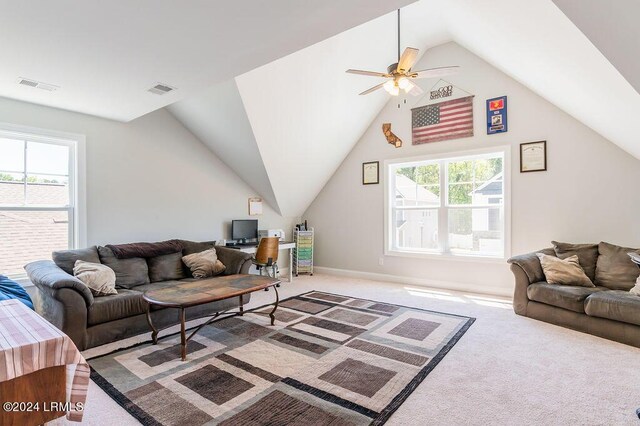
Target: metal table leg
[(183, 335), (154, 331), (275, 306), (290, 265)]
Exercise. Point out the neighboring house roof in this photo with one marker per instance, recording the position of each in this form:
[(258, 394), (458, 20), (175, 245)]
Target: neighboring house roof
[(409, 190), (51, 194), (491, 187), (26, 236)]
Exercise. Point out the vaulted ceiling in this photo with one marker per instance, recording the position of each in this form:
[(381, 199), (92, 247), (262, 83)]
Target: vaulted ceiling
[(612, 26), (304, 115), (262, 84), (303, 112)]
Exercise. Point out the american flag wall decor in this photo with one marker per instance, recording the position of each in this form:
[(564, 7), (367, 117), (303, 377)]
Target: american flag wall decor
[(442, 121)]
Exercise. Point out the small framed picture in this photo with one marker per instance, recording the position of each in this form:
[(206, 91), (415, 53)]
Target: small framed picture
[(370, 173), (533, 157), (255, 206)]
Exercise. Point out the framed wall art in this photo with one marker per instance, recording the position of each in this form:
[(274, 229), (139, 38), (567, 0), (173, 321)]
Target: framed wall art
[(371, 173), (533, 157), (255, 206), (497, 115)]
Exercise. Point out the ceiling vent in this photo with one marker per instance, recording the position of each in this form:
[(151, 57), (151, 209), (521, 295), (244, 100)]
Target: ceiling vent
[(37, 84), (161, 89)]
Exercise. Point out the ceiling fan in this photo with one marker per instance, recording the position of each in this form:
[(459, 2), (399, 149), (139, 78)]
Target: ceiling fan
[(399, 74)]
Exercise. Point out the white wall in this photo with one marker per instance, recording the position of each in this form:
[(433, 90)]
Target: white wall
[(149, 179), (588, 194)]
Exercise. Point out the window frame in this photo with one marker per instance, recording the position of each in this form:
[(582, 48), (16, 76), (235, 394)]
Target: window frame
[(443, 209), (76, 208)]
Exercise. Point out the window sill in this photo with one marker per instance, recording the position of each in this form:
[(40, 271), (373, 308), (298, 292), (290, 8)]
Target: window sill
[(447, 256)]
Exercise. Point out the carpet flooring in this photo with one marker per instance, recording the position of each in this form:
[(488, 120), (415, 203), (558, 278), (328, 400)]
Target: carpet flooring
[(506, 369)]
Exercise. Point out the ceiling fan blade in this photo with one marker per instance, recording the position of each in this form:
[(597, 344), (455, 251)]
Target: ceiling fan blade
[(408, 58), (370, 73), (373, 89), (416, 90), (435, 72)]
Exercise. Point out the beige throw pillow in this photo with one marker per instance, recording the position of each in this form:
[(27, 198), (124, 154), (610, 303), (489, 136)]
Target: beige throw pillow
[(100, 279), (636, 290), (564, 271), (204, 264)]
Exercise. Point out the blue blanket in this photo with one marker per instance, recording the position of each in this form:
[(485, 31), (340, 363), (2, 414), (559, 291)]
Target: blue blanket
[(10, 289)]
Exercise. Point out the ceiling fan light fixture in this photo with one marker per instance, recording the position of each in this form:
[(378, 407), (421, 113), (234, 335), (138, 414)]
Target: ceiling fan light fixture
[(404, 84), (392, 88)]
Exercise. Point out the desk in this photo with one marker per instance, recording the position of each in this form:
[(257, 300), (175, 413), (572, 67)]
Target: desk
[(284, 245)]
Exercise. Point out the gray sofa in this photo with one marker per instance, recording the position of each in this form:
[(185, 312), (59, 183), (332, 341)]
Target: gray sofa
[(607, 310), (92, 321)]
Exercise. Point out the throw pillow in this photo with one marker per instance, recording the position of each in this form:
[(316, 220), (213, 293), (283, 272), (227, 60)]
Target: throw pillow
[(100, 279), (636, 289), (587, 255), (204, 264), (614, 269), (166, 267), (564, 271), (66, 259), (129, 272)]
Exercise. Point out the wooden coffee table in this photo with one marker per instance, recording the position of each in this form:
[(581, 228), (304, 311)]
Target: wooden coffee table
[(194, 293)]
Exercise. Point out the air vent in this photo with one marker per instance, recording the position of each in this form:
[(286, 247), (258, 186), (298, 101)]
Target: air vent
[(37, 84), (161, 89)]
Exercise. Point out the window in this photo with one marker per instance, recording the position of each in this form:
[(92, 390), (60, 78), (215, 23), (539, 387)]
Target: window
[(38, 198), (450, 205)]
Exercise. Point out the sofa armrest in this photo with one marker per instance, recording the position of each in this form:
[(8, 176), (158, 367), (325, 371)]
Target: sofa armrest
[(530, 264), (520, 298), (236, 261), (48, 277)]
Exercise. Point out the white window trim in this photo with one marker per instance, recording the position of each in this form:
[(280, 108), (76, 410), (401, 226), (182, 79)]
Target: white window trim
[(388, 238), (77, 171)]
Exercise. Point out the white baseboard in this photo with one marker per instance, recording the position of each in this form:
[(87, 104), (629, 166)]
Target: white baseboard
[(422, 282)]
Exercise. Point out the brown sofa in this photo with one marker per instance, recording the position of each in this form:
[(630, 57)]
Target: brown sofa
[(92, 321), (607, 310)]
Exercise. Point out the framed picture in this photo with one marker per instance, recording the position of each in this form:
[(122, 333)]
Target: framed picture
[(533, 157), (370, 173), (255, 206), (497, 115)]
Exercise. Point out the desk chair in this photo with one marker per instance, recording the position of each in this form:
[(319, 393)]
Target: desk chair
[(267, 257)]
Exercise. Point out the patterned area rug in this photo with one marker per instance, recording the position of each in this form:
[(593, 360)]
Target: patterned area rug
[(329, 360)]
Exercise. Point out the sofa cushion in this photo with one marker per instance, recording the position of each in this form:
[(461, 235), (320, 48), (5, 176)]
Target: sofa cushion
[(587, 255), (562, 296), (126, 303), (190, 247), (129, 272), (66, 259), (617, 305), (614, 269), (166, 267), (564, 271)]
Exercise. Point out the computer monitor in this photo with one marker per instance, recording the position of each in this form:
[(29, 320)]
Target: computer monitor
[(243, 230)]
